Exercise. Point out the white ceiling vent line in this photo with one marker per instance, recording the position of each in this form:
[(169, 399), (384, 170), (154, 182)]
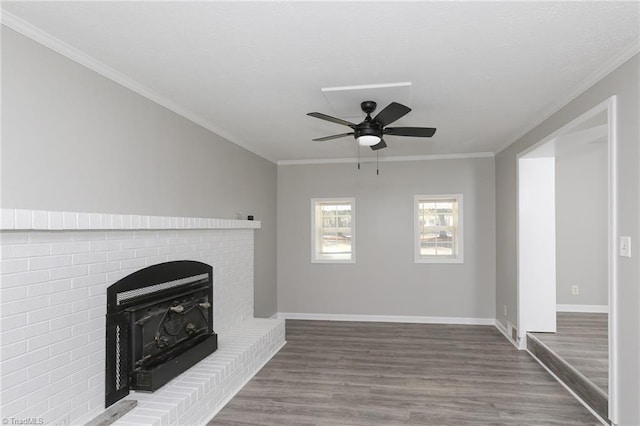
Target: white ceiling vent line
[(345, 101)]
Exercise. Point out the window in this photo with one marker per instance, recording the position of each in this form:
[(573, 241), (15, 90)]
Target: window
[(332, 230), (438, 228)]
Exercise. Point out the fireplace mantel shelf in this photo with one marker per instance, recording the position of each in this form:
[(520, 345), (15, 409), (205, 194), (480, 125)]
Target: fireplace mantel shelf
[(43, 220)]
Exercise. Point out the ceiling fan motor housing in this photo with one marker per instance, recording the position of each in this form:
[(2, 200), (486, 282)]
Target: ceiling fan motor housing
[(368, 128)]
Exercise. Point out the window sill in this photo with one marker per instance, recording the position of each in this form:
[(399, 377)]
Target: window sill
[(451, 260)]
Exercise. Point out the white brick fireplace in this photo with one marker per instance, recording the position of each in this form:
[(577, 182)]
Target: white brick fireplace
[(55, 268)]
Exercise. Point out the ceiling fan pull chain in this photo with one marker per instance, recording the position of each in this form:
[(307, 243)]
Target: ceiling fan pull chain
[(377, 162), (358, 148)]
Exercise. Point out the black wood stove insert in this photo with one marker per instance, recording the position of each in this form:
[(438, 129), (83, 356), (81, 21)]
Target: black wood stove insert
[(159, 324)]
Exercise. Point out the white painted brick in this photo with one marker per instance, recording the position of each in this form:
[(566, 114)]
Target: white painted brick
[(97, 291), (47, 391), (23, 361), (70, 321), (47, 339), (70, 220), (105, 221), (115, 276), (14, 379), (89, 280), (79, 411), (96, 336), (58, 413), (81, 306), (116, 221), (12, 294), (68, 296), (120, 255), (126, 221), (100, 268), (156, 260), (133, 244), (24, 219), (95, 220), (37, 383), (23, 333), (36, 409), (10, 351), (69, 272), (166, 223), (105, 245), (11, 394), (38, 315), (13, 322), (67, 345), (133, 263), (97, 380), (24, 250), (147, 252), (17, 237), (56, 220), (84, 258), (71, 247), (49, 262), (91, 235), (40, 219), (98, 312), (44, 367), (84, 220), (90, 349), (155, 222), (71, 370), (17, 307), (48, 287), (7, 219)]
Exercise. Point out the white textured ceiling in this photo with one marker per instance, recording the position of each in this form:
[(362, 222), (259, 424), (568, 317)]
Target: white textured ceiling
[(481, 72)]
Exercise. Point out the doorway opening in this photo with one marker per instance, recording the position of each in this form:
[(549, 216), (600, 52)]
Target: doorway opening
[(566, 227)]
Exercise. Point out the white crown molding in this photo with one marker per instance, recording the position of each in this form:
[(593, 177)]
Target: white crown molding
[(579, 89), (387, 159), (387, 318), (57, 45)]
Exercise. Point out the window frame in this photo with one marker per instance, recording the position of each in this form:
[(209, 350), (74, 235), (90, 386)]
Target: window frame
[(459, 243), (315, 258)]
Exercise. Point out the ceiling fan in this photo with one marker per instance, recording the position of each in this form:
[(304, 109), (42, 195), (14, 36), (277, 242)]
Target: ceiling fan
[(370, 131)]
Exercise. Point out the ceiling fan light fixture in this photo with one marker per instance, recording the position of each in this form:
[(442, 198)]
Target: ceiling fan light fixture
[(369, 140)]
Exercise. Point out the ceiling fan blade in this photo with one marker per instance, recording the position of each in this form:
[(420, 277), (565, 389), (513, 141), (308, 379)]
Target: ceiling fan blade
[(322, 116), (328, 138), (419, 132), (391, 113), (379, 145)]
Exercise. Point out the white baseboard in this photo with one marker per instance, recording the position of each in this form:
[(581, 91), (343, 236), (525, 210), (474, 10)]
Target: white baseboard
[(598, 309), (387, 318), (502, 329)]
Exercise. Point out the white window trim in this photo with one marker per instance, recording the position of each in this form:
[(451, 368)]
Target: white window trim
[(314, 259), (416, 230)]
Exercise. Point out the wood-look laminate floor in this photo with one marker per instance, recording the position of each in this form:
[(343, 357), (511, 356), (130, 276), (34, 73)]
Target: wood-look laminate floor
[(353, 373), (581, 339)]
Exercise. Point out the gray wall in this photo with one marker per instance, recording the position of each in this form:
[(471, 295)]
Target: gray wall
[(581, 224), (385, 280), (623, 82), (73, 140)]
